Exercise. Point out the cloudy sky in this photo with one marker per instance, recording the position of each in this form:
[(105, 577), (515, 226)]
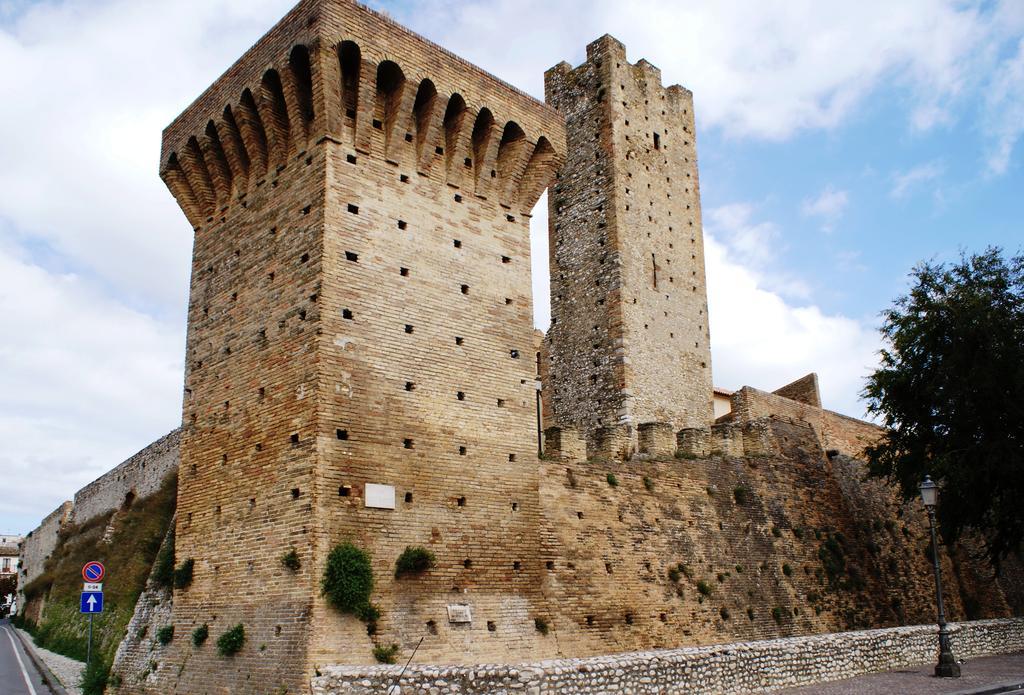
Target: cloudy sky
[(840, 143)]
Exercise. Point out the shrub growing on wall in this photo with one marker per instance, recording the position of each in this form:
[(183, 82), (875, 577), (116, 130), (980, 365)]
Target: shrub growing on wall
[(291, 560), (183, 574), (385, 654), (230, 643), (348, 578), (165, 634), (200, 634), (413, 560)]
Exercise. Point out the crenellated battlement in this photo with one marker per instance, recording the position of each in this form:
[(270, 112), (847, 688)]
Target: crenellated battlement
[(343, 80)]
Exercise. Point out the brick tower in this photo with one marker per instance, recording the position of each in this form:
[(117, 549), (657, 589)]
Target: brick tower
[(629, 338), (359, 348)]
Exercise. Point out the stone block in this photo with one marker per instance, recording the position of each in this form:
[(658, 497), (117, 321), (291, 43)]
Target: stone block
[(727, 440), (694, 441), (564, 444), (613, 442), (656, 439)]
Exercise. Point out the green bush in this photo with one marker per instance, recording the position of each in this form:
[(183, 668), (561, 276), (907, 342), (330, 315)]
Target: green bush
[(291, 560), (787, 570), (541, 625), (648, 483), (777, 614), (724, 612), (704, 588), (385, 654), (183, 574), (741, 494), (750, 613), (674, 575), (414, 560), (200, 634), (163, 568), (230, 643), (95, 677), (165, 634), (776, 531), (739, 569), (612, 480), (798, 532), (348, 578), (685, 569)]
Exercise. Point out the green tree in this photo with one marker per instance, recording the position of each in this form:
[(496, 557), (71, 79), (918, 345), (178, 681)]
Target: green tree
[(950, 392)]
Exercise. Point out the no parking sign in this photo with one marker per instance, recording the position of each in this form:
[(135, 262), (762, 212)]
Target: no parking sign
[(93, 572)]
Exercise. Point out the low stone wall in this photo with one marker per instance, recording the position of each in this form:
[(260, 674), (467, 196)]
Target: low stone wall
[(741, 667)]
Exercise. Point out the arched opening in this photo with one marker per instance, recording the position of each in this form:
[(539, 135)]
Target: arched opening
[(298, 63), (510, 151), (423, 109), (231, 131), (351, 61), (217, 161), (482, 130), (390, 85), (454, 114), (256, 137), (277, 113)]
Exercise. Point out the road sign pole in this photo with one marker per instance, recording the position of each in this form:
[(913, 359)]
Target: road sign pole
[(88, 647)]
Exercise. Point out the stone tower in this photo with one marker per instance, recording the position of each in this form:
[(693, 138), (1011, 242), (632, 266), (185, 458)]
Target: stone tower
[(359, 348), (629, 338)]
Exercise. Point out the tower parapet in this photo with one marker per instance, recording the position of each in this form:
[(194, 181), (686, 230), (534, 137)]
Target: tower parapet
[(629, 341)]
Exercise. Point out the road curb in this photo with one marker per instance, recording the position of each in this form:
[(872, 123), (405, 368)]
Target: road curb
[(48, 678), (1004, 687)]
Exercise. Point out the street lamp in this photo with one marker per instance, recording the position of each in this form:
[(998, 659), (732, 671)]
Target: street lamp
[(947, 666)]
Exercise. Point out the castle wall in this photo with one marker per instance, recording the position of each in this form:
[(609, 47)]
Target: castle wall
[(837, 432), (39, 544), (629, 338), (135, 478)]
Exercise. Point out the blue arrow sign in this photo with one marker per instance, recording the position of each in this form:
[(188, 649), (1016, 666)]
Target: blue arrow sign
[(92, 602)]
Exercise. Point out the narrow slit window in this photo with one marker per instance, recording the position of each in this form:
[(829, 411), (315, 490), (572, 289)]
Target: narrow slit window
[(657, 141)]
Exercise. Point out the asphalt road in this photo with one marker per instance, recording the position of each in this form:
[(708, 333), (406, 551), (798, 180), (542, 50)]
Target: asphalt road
[(18, 675)]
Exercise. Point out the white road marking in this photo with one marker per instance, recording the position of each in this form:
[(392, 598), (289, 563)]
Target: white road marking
[(24, 673)]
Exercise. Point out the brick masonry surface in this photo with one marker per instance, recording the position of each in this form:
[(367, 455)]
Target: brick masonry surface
[(360, 315), (741, 667)]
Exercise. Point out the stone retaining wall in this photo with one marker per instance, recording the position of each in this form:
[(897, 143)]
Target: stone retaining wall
[(741, 667)]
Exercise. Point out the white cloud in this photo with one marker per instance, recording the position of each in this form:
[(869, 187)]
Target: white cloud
[(86, 382), (828, 207), (759, 339), (1004, 104), (903, 182)]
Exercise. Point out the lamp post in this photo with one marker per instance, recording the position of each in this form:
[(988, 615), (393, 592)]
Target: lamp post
[(947, 666)]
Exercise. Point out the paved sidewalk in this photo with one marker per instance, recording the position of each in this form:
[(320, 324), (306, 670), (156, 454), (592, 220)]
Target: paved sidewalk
[(982, 675), (68, 672)]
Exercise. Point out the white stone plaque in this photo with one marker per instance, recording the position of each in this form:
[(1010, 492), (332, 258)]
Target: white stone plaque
[(380, 496), (459, 613)]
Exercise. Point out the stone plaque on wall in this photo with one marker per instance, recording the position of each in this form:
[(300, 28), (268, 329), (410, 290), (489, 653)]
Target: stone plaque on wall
[(459, 613), (380, 496)]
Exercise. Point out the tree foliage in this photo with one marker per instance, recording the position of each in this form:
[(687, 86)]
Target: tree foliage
[(950, 392)]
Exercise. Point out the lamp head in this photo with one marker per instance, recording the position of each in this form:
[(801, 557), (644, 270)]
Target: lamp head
[(929, 492)]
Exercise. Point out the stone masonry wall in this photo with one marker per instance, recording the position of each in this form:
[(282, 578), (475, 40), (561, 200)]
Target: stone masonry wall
[(135, 478), (629, 338), (844, 434), (725, 668), (38, 545)]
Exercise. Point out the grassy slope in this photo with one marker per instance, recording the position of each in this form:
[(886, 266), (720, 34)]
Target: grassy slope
[(128, 558)]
